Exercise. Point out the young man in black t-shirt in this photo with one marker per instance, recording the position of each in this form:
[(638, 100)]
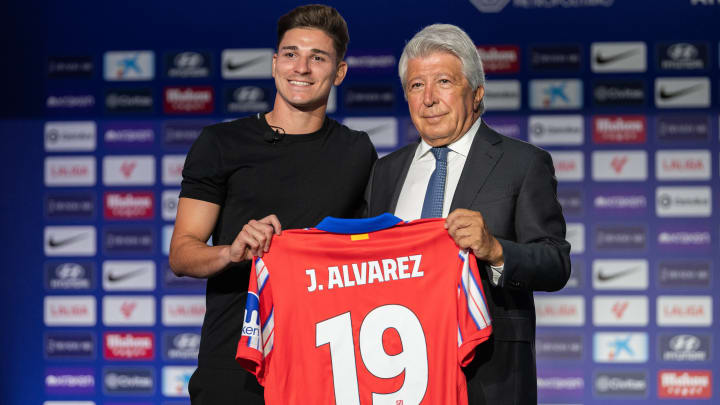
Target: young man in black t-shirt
[(243, 179)]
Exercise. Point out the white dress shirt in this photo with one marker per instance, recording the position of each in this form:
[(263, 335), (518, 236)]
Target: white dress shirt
[(412, 195)]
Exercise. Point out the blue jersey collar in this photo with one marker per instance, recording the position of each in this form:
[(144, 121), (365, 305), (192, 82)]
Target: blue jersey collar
[(352, 226)]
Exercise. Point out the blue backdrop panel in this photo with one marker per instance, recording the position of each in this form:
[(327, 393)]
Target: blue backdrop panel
[(102, 101)]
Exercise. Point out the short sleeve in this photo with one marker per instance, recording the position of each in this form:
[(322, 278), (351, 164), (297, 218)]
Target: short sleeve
[(255, 347), (474, 324), (204, 177)]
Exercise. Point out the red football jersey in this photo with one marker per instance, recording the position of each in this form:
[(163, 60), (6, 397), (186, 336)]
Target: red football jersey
[(353, 317)]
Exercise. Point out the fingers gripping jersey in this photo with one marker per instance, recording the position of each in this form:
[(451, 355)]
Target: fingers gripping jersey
[(384, 317)]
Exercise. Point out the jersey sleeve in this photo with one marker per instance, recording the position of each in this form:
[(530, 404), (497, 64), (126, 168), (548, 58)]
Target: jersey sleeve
[(474, 325), (256, 342), (203, 175)]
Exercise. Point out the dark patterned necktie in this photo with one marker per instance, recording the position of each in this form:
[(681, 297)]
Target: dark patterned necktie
[(435, 193)]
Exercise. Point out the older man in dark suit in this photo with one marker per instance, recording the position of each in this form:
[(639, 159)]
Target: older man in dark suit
[(499, 197)]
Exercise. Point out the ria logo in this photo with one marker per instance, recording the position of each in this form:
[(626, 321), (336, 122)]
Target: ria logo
[(127, 308), (618, 163), (619, 308), (127, 168)]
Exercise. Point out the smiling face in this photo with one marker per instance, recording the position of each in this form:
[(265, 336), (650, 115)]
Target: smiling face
[(305, 68), (442, 105)]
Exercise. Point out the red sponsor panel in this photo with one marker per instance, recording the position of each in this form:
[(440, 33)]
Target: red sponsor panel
[(129, 205), (188, 100), (685, 384), (619, 129), (129, 345), (500, 58)]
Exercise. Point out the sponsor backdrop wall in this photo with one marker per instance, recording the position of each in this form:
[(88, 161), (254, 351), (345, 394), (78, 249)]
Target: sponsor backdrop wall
[(102, 101)]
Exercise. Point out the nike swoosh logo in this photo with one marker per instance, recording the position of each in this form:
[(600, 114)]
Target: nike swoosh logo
[(666, 95), (230, 65), (376, 129), (607, 277), (114, 277), (56, 243), (604, 60)]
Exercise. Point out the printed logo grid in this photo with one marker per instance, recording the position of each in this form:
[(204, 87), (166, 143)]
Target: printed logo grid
[(631, 129)]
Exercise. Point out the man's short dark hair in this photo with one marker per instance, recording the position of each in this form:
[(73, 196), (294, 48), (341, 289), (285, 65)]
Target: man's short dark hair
[(321, 17)]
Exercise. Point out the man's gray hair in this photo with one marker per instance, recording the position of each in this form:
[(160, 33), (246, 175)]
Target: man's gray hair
[(445, 38)]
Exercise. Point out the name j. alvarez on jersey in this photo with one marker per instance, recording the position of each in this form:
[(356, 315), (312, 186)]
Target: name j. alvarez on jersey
[(373, 271)]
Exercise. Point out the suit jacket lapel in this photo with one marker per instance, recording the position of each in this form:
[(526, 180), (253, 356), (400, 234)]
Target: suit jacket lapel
[(401, 171), (483, 156)]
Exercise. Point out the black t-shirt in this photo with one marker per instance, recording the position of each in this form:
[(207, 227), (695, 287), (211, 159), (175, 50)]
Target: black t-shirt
[(301, 179)]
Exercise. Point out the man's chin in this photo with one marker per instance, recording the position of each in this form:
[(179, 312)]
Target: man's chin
[(308, 106)]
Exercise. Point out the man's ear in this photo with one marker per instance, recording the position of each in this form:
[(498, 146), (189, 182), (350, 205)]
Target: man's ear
[(274, 61), (340, 73), (477, 97)]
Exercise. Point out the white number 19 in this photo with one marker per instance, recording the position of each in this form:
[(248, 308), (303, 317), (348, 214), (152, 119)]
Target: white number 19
[(337, 332)]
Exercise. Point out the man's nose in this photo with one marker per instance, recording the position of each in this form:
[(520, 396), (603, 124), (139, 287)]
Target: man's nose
[(302, 65), (429, 96)]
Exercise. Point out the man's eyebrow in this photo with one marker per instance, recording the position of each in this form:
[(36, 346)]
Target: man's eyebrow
[(313, 50)]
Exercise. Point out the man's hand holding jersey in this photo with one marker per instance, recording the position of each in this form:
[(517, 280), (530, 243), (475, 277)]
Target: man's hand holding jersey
[(468, 230), (254, 238)]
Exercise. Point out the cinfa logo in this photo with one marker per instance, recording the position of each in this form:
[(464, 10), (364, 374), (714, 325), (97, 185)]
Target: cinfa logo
[(685, 384)]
